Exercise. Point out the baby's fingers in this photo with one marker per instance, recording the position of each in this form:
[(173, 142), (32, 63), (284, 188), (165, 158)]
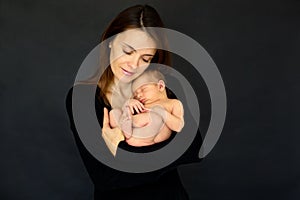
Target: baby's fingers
[(141, 105), (137, 109), (131, 108), (146, 110)]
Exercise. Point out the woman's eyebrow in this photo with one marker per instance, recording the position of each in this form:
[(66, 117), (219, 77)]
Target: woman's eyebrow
[(133, 49)]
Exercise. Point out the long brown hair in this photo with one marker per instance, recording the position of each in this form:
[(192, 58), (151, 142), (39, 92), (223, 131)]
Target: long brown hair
[(138, 16)]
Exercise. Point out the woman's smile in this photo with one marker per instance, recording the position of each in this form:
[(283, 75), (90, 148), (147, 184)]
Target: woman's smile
[(131, 53), (127, 72)]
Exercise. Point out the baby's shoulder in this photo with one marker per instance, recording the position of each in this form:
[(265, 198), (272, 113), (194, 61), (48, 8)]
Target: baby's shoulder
[(170, 104), (173, 101)]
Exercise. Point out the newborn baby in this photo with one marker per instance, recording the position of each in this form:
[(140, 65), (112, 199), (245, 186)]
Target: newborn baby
[(150, 116)]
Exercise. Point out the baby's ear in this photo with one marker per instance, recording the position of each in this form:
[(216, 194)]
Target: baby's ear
[(161, 85)]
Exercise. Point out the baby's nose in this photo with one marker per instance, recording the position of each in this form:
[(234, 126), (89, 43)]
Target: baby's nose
[(139, 95)]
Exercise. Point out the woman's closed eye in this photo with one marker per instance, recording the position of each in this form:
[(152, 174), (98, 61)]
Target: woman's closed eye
[(147, 59), (127, 51)]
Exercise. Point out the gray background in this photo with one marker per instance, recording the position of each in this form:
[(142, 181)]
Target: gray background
[(254, 44)]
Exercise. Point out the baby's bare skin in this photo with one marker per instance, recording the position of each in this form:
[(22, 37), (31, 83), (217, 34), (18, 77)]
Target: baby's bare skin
[(147, 122), (157, 115)]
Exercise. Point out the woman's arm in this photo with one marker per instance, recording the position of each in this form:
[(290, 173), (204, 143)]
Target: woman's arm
[(103, 176)]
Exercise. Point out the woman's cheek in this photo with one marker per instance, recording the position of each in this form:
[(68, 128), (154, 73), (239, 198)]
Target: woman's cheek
[(141, 70)]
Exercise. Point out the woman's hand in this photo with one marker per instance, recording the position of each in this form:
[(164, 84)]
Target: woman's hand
[(111, 136)]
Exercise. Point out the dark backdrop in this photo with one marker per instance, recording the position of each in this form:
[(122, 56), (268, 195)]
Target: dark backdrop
[(255, 45)]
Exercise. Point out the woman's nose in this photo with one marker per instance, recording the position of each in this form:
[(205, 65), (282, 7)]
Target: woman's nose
[(134, 62), (132, 66)]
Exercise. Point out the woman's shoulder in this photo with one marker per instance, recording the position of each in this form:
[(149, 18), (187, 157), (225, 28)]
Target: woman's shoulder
[(84, 88), (85, 91), (79, 87)]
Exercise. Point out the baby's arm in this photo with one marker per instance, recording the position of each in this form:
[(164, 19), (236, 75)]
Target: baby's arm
[(174, 119)]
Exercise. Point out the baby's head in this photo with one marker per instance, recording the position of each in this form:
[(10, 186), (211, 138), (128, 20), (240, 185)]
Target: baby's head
[(149, 86)]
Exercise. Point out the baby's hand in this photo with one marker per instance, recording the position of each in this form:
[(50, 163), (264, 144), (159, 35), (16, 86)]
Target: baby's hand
[(135, 106)]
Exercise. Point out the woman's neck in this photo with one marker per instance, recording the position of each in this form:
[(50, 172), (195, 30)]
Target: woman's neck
[(120, 93)]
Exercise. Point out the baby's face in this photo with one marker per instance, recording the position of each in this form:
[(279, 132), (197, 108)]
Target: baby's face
[(147, 93)]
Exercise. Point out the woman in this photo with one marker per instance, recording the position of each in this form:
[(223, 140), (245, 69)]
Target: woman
[(130, 53)]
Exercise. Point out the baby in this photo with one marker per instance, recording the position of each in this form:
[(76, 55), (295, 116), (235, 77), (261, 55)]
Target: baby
[(150, 117)]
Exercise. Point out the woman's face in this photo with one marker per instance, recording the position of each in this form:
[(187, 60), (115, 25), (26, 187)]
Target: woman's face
[(131, 53)]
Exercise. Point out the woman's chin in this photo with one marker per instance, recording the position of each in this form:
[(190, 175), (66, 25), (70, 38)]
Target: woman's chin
[(127, 79)]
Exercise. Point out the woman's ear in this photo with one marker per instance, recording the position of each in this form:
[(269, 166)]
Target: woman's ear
[(161, 85)]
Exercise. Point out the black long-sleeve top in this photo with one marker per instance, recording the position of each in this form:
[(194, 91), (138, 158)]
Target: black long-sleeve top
[(113, 184)]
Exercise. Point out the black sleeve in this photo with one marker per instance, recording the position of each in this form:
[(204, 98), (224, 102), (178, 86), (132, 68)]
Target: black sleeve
[(108, 178), (103, 176)]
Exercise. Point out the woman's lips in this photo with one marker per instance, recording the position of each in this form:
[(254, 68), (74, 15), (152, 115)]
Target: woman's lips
[(127, 73)]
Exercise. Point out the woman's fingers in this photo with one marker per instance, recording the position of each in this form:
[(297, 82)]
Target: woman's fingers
[(112, 137), (105, 118)]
